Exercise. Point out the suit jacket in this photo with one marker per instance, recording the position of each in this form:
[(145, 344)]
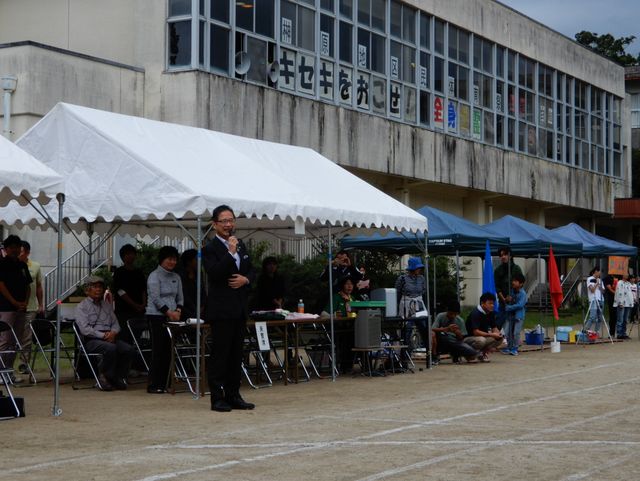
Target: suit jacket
[(223, 302)]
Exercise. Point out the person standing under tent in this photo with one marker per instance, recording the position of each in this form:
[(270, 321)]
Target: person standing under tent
[(230, 274), (623, 301), (15, 290), (515, 311), (410, 290), (595, 295), (503, 275), (164, 303), (130, 290), (610, 282), (270, 286), (634, 290), (35, 305)]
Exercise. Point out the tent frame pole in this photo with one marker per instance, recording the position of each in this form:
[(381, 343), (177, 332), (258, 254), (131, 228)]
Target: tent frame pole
[(198, 303), (331, 317), (56, 410), (427, 341), (458, 274)]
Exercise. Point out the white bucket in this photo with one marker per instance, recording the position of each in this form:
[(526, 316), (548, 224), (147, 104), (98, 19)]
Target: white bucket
[(555, 345)]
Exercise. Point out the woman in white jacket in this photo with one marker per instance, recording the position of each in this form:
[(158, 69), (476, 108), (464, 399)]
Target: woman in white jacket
[(623, 302)]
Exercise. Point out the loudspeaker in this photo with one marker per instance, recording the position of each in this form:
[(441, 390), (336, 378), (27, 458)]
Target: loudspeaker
[(368, 328), (7, 410)]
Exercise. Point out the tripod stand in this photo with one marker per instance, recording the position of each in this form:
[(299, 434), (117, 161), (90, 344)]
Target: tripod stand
[(599, 319)]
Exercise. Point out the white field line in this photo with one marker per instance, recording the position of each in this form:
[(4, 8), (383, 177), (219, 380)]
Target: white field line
[(411, 467), (601, 467), (101, 455)]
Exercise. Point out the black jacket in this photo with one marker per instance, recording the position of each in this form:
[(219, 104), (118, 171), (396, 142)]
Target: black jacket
[(223, 302)]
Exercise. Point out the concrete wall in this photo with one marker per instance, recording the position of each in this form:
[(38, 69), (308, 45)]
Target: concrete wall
[(47, 76), (93, 27), (345, 136)]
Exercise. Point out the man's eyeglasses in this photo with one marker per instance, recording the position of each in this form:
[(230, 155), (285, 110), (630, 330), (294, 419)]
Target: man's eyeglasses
[(225, 221)]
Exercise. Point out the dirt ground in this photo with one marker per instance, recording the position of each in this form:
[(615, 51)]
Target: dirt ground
[(540, 416)]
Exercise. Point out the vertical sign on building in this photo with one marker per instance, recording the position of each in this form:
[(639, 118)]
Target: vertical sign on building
[(452, 87), (499, 102), (327, 79), (286, 31), (395, 100), (362, 91), (424, 78), (476, 95), (362, 56), (395, 67), (379, 95), (438, 112), (345, 85), (287, 70), (306, 74), (477, 124), (452, 116), (324, 44)]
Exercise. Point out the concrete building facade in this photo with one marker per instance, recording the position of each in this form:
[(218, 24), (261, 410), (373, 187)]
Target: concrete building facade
[(468, 106)]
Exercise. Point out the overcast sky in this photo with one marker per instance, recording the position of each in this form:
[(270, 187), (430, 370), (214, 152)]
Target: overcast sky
[(621, 18)]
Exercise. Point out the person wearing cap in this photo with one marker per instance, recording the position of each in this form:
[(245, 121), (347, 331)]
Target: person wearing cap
[(15, 290), (410, 289), (450, 332), (164, 303), (98, 324)]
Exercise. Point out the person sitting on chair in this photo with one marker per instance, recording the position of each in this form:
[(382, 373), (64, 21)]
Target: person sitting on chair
[(99, 326), (451, 331), (484, 335)]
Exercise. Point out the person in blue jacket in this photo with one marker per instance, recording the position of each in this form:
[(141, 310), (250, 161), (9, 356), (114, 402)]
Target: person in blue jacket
[(515, 311)]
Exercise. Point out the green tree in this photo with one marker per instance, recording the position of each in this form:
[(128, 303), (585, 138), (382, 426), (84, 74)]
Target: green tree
[(609, 46)]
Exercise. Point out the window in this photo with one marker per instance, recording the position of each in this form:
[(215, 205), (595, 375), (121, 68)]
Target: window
[(179, 7), (346, 43), (635, 111), (180, 44)]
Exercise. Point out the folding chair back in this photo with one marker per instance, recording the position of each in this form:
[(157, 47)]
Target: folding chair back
[(5, 379), (17, 350), (141, 337), (44, 337), (81, 353)]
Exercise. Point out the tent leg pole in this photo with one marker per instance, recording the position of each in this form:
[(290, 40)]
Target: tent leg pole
[(333, 343), (435, 300), (198, 303), (428, 342), (458, 274), (56, 410)]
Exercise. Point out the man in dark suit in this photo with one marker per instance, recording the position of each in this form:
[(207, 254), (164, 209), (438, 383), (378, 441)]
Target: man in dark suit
[(229, 272)]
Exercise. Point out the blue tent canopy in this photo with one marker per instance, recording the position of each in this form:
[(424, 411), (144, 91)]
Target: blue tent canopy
[(528, 240), (594, 245), (448, 234)]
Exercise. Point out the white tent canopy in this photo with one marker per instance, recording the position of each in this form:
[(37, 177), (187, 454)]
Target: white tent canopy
[(22, 177), (121, 168)]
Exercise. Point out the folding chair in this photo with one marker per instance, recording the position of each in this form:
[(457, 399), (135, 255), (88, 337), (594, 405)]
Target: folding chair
[(89, 357), (318, 349), (5, 378), (44, 337), (184, 355), (17, 350), (140, 334), (260, 367)]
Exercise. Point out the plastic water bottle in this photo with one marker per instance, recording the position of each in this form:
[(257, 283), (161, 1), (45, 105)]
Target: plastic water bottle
[(301, 306)]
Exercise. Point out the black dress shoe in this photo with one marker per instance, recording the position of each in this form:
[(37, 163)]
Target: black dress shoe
[(105, 385), (220, 405), (119, 384), (236, 402)]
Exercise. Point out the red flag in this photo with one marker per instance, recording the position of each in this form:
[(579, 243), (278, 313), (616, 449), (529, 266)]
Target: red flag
[(555, 288)]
